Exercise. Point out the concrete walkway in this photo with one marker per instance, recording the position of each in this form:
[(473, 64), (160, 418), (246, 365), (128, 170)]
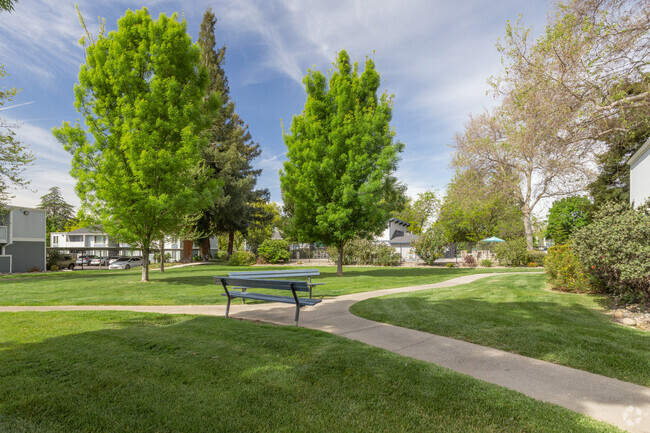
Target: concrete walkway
[(619, 403)]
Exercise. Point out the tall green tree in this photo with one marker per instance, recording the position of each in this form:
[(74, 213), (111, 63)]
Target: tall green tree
[(138, 164), (421, 212), (230, 152), (338, 181), (14, 156), (58, 212), (566, 216), (7, 5)]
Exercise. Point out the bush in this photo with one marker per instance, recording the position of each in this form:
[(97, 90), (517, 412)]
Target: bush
[(469, 261), (431, 245), (615, 250), (197, 259), (34, 269), (366, 252), (511, 253), (241, 258), (486, 263), (532, 264), (449, 265), (564, 270), (274, 251), (536, 257), (54, 268), (156, 257), (221, 256)]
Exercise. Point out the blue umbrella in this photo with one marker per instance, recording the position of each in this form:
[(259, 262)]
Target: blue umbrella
[(493, 239)]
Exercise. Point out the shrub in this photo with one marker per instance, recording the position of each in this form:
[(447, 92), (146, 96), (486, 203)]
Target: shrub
[(511, 253), (366, 252), (222, 256), (536, 257), (615, 250), (274, 251), (156, 257), (564, 270), (34, 269), (431, 245), (386, 256), (469, 261), (486, 263), (197, 258), (241, 258), (449, 265), (54, 268), (566, 216), (532, 264)]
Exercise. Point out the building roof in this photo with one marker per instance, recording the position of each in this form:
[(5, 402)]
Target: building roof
[(399, 221), (406, 238), (639, 152)]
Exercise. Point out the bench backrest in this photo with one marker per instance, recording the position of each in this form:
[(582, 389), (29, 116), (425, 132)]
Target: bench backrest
[(276, 274), (249, 283)]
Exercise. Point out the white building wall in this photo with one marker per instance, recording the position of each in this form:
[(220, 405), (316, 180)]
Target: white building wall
[(640, 176)]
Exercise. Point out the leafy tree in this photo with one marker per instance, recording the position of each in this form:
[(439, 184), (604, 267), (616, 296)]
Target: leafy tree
[(230, 152), (262, 228), (431, 244), (138, 166), (474, 209), (14, 157), (421, 212), (338, 181), (58, 212), (7, 5), (566, 216)]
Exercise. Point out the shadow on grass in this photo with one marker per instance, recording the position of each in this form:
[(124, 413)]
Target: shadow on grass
[(159, 373), (568, 334)]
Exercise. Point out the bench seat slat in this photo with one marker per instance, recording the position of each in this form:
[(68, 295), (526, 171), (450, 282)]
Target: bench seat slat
[(272, 298), (299, 286), (276, 274)]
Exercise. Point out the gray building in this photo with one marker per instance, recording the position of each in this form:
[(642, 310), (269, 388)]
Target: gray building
[(640, 175), (22, 240), (398, 237)]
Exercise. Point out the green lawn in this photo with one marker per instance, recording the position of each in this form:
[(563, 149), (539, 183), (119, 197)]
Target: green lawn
[(122, 371), (194, 285), (516, 314)]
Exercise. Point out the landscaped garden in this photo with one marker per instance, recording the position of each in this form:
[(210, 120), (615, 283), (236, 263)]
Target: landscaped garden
[(122, 371), (516, 313)]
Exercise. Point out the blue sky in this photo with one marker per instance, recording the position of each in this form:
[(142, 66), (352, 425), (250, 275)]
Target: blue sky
[(434, 56)]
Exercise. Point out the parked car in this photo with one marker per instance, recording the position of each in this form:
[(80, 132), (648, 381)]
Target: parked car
[(126, 263), (85, 260), (63, 263), (99, 261), (112, 259)]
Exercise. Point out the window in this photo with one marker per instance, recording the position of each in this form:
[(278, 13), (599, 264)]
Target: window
[(75, 238)]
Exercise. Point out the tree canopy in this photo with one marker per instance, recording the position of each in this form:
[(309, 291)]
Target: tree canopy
[(338, 182), (138, 160), (421, 212), (59, 214), (566, 216)]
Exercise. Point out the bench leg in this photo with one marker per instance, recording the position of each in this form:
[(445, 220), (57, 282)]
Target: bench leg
[(295, 319), (228, 307)]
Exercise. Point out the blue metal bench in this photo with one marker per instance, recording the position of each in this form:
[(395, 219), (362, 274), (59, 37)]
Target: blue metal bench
[(249, 283), (289, 273)]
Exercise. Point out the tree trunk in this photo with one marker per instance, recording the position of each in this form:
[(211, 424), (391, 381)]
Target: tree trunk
[(162, 255), (231, 242), (205, 249), (528, 228), (145, 265), (186, 255), (339, 262)]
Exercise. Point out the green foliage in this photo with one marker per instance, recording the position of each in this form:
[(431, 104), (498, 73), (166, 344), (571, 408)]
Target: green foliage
[(54, 268), (537, 257), (229, 151), (156, 257), (274, 251), (262, 229), (486, 263), (58, 213), (615, 249), (449, 265), (511, 253), (366, 252), (138, 165), (241, 258), (420, 213), (339, 178), (430, 246), (197, 259), (14, 157), (222, 256), (474, 209), (567, 215), (564, 270)]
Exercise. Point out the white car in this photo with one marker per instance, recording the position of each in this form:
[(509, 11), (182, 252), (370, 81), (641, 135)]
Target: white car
[(126, 263), (99, 261)]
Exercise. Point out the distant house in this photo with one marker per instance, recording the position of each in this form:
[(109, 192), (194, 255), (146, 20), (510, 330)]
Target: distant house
[(22, 240), (398, 237), (640, 174)]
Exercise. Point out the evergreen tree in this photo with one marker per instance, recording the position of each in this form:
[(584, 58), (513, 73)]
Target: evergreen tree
[(230, 152), (58, 212)]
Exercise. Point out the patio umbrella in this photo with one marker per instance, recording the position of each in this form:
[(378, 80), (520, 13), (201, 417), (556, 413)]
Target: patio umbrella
[(493, 239)]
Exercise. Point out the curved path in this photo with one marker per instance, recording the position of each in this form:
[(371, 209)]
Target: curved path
[(619, 403)]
